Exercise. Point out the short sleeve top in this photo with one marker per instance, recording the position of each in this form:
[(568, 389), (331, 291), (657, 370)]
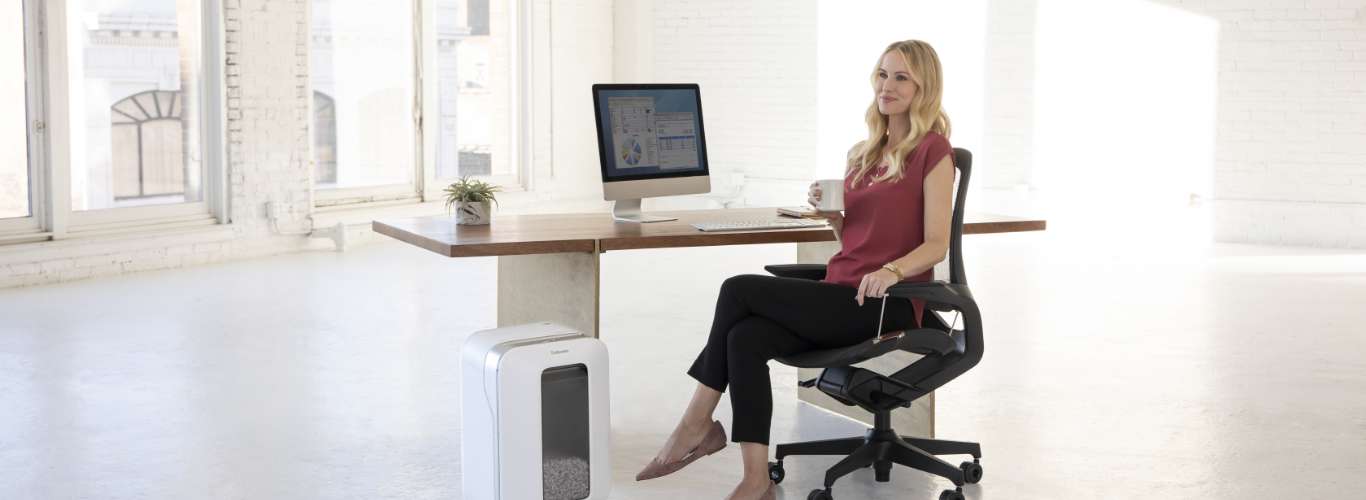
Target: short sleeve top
[(885, 221)]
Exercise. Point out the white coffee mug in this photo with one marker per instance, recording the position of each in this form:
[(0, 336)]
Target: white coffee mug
[(832, 195)]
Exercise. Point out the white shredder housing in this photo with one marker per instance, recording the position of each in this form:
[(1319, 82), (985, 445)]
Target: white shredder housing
[(534, 411)]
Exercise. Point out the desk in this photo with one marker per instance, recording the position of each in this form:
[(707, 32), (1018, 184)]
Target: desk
[(549, 265)]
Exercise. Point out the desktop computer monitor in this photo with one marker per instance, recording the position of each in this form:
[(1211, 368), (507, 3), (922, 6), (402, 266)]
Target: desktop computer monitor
[(651, 143)]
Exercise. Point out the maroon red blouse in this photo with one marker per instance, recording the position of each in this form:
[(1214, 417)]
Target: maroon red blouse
[(885, 221)]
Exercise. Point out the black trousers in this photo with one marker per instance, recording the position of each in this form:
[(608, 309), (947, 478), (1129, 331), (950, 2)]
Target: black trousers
[(759, 318)]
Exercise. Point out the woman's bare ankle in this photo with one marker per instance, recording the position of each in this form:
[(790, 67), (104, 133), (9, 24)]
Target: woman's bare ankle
[(755, 480), (694, 423)]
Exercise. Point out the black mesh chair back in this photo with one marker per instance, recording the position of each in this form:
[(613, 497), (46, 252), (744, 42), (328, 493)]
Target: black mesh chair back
[(946, 352)]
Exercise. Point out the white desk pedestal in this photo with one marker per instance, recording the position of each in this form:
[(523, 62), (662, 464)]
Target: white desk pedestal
[(559, 287)]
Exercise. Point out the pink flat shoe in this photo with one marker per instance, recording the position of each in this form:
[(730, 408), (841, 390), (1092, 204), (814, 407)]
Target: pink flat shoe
[(713, 442)]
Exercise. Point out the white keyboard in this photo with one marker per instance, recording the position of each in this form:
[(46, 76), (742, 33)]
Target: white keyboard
[(758, 224)]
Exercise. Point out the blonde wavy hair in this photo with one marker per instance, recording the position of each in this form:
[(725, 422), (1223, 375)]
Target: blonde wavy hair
[(926, 113)]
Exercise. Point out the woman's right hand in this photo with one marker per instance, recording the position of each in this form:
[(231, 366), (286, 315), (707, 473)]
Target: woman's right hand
[(813, 197)]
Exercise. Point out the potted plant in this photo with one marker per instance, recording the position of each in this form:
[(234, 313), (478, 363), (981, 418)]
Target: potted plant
[(471, 201)]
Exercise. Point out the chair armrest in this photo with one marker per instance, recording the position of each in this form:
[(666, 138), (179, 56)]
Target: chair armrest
[(936, 293), (813, 272)]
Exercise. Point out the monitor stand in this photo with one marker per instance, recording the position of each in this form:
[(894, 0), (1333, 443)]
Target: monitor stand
[(629, 211)]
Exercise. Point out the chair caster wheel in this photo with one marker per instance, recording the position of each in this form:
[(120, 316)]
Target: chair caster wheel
[(776, 472), (972, 472), (951, 495), (820, 495)]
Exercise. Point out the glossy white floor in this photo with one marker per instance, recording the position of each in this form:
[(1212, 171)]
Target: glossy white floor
[(1113, 371)]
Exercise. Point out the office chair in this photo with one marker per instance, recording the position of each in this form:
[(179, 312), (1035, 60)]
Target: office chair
[(947, 353)]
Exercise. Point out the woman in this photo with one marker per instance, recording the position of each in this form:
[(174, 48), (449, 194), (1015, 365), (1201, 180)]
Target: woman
[(898, 194)]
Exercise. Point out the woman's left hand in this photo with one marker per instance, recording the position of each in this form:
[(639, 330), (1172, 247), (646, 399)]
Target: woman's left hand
[(875, 284)]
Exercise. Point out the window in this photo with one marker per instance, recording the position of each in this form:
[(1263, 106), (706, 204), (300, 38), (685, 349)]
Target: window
[(14, 158), (135, 135), (115, 123), (362, 59), (367, 145)]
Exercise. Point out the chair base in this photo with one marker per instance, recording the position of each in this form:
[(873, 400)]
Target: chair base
[(880, 448)]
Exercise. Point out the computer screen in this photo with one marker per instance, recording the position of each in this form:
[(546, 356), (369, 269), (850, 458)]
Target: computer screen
[(650, 131)]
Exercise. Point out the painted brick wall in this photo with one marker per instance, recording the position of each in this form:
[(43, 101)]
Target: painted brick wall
[(1290, 159), (266, 54), (1290, 154), (1008, 101), (755, 62), (1291, 146)]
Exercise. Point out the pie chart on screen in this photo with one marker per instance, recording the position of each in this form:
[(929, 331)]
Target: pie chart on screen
[(630, 151)]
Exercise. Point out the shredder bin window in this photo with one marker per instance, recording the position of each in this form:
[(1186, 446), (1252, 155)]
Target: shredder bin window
[(564, 433)]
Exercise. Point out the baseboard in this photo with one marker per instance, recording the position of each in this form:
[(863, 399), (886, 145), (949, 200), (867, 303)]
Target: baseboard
[(1291, 223)]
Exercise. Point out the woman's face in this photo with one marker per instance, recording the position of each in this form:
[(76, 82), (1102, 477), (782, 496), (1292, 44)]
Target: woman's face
[(894, 86)]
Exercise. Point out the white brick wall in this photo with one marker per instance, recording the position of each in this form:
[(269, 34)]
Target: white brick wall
[(1289, 161), (1008, 134), (1291, 146), (755, 63), (267, 115)]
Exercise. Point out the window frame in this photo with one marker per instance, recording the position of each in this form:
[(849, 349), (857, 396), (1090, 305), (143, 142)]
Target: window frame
[(49, 127), (26, 227), (204, 211)]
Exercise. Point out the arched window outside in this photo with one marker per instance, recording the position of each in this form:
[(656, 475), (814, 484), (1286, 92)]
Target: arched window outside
[(148, 145), (324, 139)]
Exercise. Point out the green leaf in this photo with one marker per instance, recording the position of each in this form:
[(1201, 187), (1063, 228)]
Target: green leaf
[(469, 190)]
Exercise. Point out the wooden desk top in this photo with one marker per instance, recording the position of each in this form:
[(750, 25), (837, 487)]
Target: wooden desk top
[(561, 233)]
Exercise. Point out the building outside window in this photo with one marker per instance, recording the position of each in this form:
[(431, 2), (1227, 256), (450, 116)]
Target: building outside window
[(324, 140), (147, 146)]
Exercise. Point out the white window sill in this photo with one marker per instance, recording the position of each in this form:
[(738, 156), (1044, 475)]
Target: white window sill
[(363, 215), (125, 241)]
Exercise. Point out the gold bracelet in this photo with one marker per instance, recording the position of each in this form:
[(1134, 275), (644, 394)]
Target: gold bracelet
[(895, 270)]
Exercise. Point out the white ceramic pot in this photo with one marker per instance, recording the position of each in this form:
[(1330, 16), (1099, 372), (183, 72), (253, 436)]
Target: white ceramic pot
[(473, 213)]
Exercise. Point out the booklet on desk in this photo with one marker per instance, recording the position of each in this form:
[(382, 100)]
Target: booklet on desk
[(802, 212)]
